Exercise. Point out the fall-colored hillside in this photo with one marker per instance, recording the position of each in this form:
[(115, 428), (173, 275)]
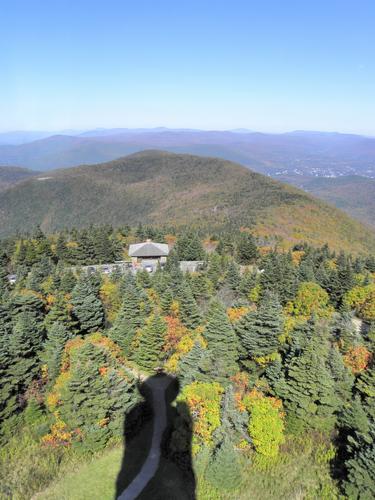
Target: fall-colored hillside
[(164, 188)]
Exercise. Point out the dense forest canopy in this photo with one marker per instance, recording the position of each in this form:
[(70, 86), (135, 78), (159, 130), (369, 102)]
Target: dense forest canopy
[(274, 351)]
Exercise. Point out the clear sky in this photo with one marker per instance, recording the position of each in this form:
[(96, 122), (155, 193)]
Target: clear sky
[(266, 65)]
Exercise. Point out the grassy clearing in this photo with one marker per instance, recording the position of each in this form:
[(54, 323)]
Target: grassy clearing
[(93, 480), (302, 471)]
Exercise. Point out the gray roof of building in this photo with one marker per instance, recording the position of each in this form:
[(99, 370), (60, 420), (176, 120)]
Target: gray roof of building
[(148, 249)]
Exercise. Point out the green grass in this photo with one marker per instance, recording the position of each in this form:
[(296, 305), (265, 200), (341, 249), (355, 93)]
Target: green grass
[(95, 479)]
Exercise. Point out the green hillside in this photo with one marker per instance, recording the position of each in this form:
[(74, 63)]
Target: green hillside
[(12, 175), (352, 193), (165, 188)]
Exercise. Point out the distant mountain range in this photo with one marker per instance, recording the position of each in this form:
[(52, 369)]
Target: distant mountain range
[(278, 155), (163, 188)]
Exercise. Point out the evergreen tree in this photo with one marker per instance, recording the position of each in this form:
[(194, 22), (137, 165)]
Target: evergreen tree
[(306, 270), (279, 277), (85, 252), (7, 392), (143, 279), (67, 282), (19, 363), (215, 269), (226, 245), (28, 302), (130, 318), (190, 365), (341, 376), (359, 420), (341, 280), (95, 394), (360, 481), (61, 250), (189, 313), (102, 245), (246, 248), (200, 286), (60, 312), (247, 283), (87, 307), (224, 470), (259, 331), (233, 277), (309, 394), (166, 300), (149, 353), (57, 337), (4, 284), (221, 342), (189, 247)]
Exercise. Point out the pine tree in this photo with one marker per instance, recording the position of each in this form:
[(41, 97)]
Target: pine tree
[(309, 395), (130, 318), (221, 342), (28, 302), (279, 277), (4, 284), (359, 420), (85, 252), (246, 248), (190, 365), (233, 277), (189, 312), (259, 331), (60, 312), (306, 270), (247, 283), (87, 307), (102, 245), (215, 269), (67, 282), (95, 394), (224, 470), (61, 250), (149, 353), (57, 337), (360, 482), (166, 300), (200, 286), (7, 392), (143, 279), (342, 377), (19, 363), (189, 247), (226, 245)]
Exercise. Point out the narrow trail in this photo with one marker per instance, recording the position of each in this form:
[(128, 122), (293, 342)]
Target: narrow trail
[(158, 387)]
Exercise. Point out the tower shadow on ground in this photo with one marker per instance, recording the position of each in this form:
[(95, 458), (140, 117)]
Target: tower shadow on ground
[(174, 478)]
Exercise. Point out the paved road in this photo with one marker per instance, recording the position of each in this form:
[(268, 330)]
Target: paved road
[(158, 386)]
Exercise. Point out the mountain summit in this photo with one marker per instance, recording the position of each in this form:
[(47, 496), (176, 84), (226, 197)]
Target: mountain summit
[(154, 187)]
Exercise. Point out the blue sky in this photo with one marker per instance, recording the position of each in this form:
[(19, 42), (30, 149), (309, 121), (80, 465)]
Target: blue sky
[(265, 65)]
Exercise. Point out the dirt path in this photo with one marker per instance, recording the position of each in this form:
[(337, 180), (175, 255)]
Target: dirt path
[(158, 387)]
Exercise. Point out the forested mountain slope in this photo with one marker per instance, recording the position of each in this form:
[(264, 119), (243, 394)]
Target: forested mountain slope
[(164, 188), (352, 193), (12, 175)]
